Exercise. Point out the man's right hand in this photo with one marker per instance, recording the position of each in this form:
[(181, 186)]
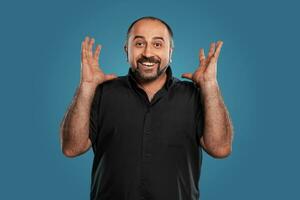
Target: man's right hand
[(91, 73)]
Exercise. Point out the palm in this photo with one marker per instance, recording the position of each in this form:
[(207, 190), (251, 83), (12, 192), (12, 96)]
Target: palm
[(90, 68), (207, 70)]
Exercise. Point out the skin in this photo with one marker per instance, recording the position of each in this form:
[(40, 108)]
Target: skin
[(218, 130), (74, 133), (148, 39)]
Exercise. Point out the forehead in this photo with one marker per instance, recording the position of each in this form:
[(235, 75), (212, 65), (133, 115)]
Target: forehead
[(149, 29)]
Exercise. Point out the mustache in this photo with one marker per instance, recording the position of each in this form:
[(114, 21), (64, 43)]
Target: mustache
[(151, 59)]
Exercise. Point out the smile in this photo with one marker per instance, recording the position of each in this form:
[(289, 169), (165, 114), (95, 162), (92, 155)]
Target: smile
[(147, 64)]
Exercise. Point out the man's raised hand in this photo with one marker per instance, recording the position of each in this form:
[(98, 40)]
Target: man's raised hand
[(206, 73), (91, 73)]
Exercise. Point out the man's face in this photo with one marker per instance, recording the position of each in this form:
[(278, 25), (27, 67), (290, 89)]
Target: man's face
[(148, 49)]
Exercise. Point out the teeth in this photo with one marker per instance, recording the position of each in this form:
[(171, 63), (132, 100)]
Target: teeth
[(148, 64)]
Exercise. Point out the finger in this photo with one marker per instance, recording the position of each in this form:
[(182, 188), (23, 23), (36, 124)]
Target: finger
[(202, 56), (90, 47), (97, 52), (187, 75), (86, 40), (83, 51), (211, 50), (212, 66), (219, 46)]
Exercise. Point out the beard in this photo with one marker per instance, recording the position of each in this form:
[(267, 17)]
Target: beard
[(140, 71)]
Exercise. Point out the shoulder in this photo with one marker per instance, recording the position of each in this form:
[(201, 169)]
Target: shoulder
[(185, 85), (114, 84), (117, 87), (119, 82)]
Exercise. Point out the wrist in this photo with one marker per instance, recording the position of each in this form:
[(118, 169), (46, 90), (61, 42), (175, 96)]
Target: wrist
[(87, 89), (209, 89), (207, 85), (87, 85)]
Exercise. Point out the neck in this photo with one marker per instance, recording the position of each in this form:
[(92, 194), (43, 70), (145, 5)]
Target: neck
[(153, 86)]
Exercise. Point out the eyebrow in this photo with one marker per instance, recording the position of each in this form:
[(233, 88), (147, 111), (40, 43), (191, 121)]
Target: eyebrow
[(139, 36)]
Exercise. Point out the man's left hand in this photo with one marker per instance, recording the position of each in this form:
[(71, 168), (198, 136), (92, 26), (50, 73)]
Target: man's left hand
[(206, 73)]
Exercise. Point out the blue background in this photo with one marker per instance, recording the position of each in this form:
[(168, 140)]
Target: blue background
[(258, 74)]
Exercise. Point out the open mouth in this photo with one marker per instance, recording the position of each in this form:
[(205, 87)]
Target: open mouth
[(147, 64)]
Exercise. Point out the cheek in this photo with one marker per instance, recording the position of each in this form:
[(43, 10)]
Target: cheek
[(134, 54), (131, 57), (165, 57)]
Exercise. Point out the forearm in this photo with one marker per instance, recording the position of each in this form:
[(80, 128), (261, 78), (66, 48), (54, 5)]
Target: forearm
[(75, 125), (218, 131)]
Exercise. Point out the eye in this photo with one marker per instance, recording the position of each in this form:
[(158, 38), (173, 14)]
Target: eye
[(139, 44), (157, 44)]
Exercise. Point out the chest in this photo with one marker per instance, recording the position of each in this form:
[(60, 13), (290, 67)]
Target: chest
[(170, 120)]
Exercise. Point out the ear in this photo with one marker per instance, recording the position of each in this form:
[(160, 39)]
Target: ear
[(170, 54), (126, 51), (171, 51)]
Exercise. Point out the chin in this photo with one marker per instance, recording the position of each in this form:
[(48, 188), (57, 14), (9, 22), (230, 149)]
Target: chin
[(147, 77)]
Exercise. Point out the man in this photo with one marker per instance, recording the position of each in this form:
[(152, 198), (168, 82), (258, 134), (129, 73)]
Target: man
[(147, 128)]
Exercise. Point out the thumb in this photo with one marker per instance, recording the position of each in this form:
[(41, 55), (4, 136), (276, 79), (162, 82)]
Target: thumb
[(187, 75), (110, 76)]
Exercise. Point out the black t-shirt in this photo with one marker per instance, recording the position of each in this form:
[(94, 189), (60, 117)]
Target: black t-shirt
[(146, 150)]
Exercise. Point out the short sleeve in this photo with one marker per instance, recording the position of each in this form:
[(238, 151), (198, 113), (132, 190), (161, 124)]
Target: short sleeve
[(94, 114)]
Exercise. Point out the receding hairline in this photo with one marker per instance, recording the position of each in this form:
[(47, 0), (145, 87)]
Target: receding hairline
[(142, 20), (150, 18)]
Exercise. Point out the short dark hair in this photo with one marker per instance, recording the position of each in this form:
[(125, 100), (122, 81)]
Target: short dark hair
[(152, 18)]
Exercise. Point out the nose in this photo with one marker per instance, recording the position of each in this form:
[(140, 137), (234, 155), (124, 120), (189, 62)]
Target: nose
[(147, 51)]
